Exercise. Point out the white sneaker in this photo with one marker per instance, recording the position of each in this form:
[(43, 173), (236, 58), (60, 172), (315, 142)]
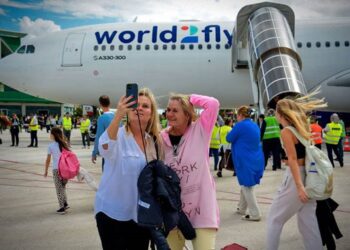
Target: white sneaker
[(238, 211), (250, 218)]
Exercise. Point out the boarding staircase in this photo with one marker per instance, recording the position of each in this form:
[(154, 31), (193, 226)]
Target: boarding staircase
[(263, 42)]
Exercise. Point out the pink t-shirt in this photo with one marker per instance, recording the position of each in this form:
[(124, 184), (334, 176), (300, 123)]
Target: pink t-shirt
[(191, 163)]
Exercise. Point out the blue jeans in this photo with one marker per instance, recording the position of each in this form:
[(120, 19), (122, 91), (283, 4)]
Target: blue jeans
[(214, 152)]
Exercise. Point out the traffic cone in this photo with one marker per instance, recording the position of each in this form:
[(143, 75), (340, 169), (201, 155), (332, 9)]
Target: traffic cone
[(347, 144)]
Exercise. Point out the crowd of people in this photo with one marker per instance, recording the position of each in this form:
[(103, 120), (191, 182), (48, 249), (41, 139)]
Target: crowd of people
[(185, 140)]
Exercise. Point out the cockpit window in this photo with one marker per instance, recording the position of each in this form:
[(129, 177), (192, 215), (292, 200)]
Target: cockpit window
[(30, 49), (21, 50)]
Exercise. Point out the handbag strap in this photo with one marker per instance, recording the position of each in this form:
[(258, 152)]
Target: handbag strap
[(156, 146), (298, 136)]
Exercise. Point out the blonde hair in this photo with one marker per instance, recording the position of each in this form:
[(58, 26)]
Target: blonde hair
[(153, 125), (295, 111), (186, 105), (245, 111)]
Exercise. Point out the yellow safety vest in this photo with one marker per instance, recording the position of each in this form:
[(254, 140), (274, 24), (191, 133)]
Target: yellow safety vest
[(224, 130), (334, 133), (215, 138), (67, 123), (272, 129), (32, 126), (84, 125)]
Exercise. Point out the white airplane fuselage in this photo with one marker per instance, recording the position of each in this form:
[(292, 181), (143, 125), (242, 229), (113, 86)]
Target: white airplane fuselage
[(78, 65)]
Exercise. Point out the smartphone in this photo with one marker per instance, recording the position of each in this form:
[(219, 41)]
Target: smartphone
[(132, 90)]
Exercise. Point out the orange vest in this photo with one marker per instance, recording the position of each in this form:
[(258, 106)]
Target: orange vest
[(316, 132)]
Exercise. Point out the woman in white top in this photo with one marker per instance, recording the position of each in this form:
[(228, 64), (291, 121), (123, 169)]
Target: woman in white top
[(124, 154)]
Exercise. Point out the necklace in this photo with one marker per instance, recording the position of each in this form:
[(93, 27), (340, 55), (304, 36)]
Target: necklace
[(175, 148)]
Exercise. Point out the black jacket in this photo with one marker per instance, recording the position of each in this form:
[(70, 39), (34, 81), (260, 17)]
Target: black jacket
[(159, 206), (326, 222)]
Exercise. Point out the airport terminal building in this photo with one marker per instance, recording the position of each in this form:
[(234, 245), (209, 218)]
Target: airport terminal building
[(13, 101)]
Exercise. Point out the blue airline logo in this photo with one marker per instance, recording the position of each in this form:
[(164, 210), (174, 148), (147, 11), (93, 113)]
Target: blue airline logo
[(210, 33)]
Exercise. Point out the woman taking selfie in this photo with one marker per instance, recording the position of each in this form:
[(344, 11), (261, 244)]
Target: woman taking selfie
[(124, 154)]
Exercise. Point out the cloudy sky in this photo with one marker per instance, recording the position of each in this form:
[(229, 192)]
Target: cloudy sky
[(37, 17)]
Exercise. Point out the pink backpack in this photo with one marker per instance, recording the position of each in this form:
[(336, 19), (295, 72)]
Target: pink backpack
[(68, 165)]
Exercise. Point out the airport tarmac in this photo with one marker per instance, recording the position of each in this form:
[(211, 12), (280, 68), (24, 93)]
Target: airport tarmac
[(28, 203)]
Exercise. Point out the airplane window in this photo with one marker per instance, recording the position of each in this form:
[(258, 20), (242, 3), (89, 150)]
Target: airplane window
[(300, 45), (21, 49), (121, 47), (138, 47), (96, 48), (227, 46), (200, 46), (208, 46), (30, 49), (112, 47), (217, 46), (318, 44), (337, 43), (146, 47), (346, 43), (103, 47), (308, 44), (173, 46), (165, 47), (182, 46), (155, 47), (191, 46), (328, 44), (129, 47)]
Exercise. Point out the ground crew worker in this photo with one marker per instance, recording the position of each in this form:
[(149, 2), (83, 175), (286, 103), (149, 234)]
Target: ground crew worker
[(163, 120), (271, 133), (316, 132), (333, 131), (215, 145), (14, 130), (33, 127), (225, 145), (341, 140), (67, 126), (84, 130)]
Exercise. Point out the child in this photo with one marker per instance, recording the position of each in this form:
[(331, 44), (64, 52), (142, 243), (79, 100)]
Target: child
[(54, 150)]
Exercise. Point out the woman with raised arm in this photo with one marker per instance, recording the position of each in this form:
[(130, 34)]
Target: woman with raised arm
[(186, 145), (124, 152), (291, 198)]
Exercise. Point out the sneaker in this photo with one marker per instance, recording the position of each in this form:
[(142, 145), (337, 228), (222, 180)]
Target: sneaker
[(250, 218), (238, 211), (61, 211), (66, 206), (219, 174)]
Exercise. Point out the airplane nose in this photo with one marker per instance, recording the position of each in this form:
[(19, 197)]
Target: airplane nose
[(6, 70), (10, 72)]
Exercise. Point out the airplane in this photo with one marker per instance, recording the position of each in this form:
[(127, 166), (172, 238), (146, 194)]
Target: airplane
[(211, 58)]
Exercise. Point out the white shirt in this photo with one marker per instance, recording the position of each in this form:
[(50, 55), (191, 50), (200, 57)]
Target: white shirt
[(54, 151), (117, 195)]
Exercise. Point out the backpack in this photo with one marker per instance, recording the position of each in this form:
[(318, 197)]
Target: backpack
[(319, 170), (68, 165)]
